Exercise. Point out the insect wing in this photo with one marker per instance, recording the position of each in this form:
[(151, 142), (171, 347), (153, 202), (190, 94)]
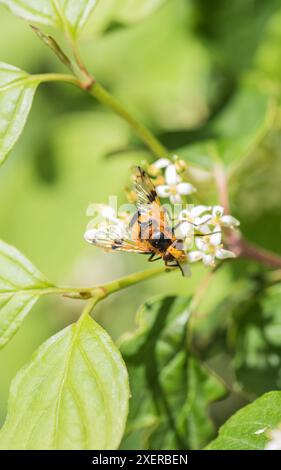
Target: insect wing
[(111, 238), (151, 216), (145, 189)]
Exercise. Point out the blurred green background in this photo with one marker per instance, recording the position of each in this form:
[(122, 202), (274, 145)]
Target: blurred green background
[(192, 71)]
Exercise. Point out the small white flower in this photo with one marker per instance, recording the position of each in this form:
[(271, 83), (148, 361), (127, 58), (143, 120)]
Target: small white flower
[(171, 175), (174, 189), (155, 168), (212, 248), (194, 256), (195, 218), (218, 217), (180, 165), (161, 163), (184, 229), (275, 441), (188, 243), (105, 220)]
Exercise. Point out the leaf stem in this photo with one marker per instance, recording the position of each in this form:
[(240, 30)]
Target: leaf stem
[(103, 96), (222, 185), (256, 253), (87, 78), (55, 77), (132, 279), (88, 309), (100, 292)]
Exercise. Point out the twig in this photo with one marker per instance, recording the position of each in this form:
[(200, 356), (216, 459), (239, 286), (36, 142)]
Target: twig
[(251, 251), (222, 186), (234, 239)]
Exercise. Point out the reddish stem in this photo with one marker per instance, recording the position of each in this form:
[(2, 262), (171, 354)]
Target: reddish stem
[(242, 247), (235, 240), (221, 181), (254, 252)]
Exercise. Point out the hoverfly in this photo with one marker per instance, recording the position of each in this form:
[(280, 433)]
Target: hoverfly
[(149, 231)]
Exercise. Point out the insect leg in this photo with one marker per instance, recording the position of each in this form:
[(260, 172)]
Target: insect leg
[(151, 259), (175, 264), (180, 267)]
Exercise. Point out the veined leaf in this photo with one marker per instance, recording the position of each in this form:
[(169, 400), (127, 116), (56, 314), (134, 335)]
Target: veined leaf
[(17, 89), (171, 390), (256, 331), (68, 15), (244, 123), (19, 281), (249, 428), (237, 131), (72, 395)]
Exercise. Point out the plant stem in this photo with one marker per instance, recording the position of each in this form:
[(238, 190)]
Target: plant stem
[(104, 97), (97, 292), (222, 186), (131, 280), (88, 309), (83, 79), (55, 77), (235, 240), (87, 78), (256, 253)]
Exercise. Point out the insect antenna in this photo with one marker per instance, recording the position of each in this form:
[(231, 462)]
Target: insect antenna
[(194, 225)]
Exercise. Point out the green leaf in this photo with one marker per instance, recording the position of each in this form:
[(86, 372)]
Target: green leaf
[(248, 429), (17, 90), (250, 195), (256, 329), (182, 100), (227, 25), (244, 123), (238, 130), (19, 281), (171, 390), (72, 395), (68, 15)]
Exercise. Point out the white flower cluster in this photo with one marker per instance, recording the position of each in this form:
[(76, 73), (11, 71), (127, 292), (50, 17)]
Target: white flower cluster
[(107, 220), (200, 227), (174, 187)]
